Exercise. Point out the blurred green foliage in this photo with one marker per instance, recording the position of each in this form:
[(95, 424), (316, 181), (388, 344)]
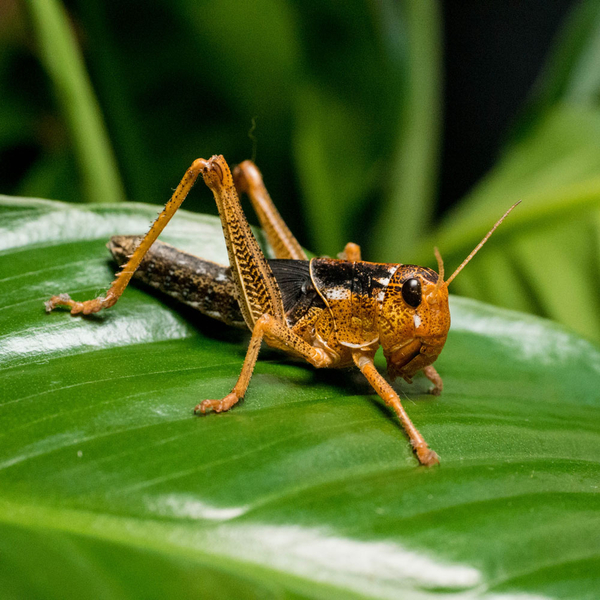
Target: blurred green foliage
[(346, 99)]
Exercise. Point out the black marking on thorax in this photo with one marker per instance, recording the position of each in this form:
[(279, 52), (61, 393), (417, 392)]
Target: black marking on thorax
[(337, 279), (353, 293)]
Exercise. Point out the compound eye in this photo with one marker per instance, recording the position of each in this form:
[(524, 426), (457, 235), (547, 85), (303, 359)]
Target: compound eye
[(411, 292)]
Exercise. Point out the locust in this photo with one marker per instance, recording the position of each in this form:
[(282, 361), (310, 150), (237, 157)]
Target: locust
[(331, 312)]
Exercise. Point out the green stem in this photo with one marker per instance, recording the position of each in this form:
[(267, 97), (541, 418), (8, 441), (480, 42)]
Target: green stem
[(62, 59), (114, 92), (413, 179)]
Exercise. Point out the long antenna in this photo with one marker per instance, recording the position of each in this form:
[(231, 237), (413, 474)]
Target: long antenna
[(481, 243)]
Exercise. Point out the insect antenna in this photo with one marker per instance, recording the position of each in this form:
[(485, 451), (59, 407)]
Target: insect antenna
[(440, 262), (481, 243)]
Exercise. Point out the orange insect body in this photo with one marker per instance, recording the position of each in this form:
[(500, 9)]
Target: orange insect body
[(360, 305), (332, 313)]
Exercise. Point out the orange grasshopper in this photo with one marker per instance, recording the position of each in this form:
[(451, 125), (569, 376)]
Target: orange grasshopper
[(331, 312)]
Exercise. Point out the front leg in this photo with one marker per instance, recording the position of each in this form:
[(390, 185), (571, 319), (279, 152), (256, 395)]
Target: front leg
[(425, 455)]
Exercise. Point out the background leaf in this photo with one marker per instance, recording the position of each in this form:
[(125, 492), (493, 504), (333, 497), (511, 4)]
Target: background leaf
[(545, 258), (347, 98), (112, 488), (548, 244), (409, 206)]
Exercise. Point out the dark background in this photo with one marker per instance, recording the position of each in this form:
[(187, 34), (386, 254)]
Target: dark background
[(492, 53)]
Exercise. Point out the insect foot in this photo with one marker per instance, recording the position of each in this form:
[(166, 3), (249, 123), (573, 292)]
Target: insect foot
[(433, 376), (217, 405), (60, 300), (87, 308), (427, 456)]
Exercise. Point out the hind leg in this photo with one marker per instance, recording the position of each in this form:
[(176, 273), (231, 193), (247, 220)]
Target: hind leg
[(120, 283)]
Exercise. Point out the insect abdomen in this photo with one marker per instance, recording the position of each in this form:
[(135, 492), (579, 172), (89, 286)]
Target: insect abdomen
[(201, 284)]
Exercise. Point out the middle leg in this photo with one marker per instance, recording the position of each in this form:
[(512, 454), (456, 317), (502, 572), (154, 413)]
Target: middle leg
[(277, 335)]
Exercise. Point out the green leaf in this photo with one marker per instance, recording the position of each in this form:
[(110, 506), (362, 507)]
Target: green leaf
[(254, 48), (111, 488), (545, 257)]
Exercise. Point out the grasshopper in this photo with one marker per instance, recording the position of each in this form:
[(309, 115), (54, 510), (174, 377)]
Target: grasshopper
[(333, 313)]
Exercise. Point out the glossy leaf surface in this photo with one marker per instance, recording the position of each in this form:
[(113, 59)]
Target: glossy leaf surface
[(111, 488)]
